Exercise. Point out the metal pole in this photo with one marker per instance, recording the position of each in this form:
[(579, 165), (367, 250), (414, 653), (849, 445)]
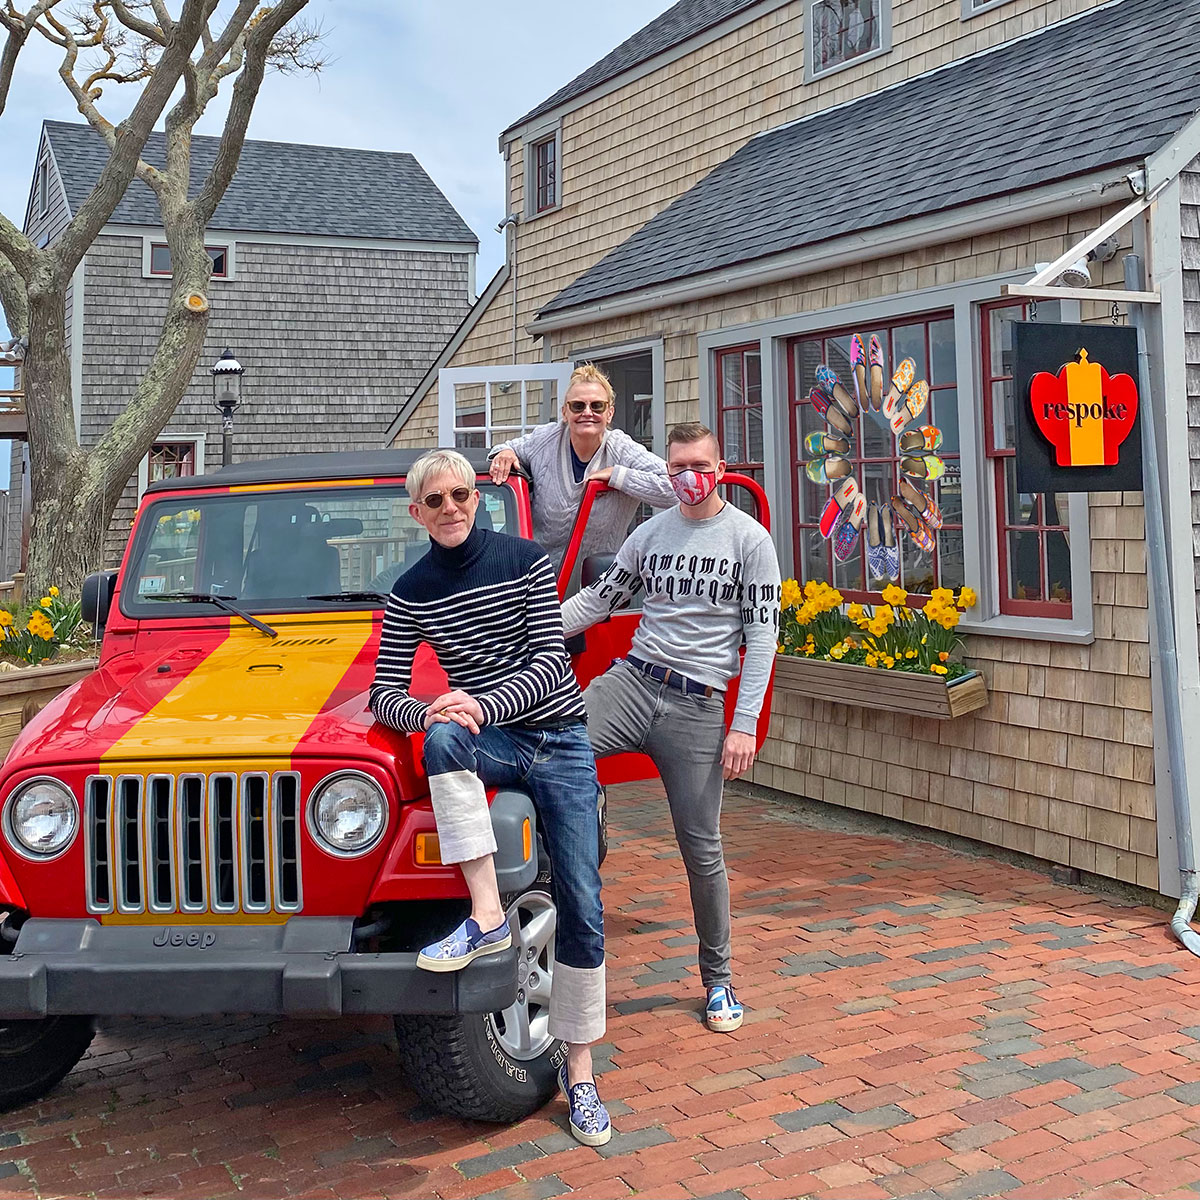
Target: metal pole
[(226, 437), (1159, 581)]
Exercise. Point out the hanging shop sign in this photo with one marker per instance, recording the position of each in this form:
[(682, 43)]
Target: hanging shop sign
[(1076, 396)]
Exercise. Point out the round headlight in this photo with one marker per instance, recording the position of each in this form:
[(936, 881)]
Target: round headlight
[(42, 817), (349, 813)]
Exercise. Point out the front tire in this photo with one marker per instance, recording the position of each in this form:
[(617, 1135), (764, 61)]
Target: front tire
[(500, 1066), (36, 1055)]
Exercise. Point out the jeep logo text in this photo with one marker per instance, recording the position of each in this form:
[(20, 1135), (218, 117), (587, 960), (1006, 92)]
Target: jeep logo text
[(193, 937)]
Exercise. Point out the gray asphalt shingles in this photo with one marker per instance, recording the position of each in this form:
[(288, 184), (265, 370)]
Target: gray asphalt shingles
[(680, 22), (1108, 88), (281, 187)]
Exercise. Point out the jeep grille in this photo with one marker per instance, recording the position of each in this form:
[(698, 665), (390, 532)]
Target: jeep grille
[(221, 843)]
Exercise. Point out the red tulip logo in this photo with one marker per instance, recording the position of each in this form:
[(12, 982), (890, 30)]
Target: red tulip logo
[(1084, 412)]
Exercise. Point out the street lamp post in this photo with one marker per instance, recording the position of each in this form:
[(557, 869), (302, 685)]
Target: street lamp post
[(227, 395)]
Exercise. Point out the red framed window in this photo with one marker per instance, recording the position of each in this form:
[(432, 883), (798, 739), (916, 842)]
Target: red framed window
[(160, 260), (546, 174), (739, 413), (172, 460), (929, 341), (1033, 538)]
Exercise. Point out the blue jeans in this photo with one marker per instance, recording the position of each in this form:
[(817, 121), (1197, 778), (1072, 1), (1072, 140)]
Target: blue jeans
[(558, 770)]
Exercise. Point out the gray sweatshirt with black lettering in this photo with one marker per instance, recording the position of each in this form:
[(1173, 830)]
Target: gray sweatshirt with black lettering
[(710, 585)]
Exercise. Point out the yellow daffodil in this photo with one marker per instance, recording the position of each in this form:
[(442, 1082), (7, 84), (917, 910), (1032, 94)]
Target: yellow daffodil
[(791, 595), (938, 669), (6, 618), (967, 598), (53, 591), (894, 595), (889, 661), (872, 660), (942, 596), (855, 612), (949, 619), (45, 601)]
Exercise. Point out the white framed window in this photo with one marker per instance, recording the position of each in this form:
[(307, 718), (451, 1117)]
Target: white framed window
[(972, 8), (43, 187), (842, 32), (156, 258), (543, 173), (173, 456), (1028, 558), (481, 406)]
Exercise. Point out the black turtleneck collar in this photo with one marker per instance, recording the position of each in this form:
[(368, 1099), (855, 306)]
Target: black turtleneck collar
[(462, 556)]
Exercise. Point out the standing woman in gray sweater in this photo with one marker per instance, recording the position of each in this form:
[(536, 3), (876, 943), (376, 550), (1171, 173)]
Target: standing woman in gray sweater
[(562, 457)]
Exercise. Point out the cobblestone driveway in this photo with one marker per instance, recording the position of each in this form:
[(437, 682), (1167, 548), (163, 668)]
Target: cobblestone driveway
[(921, 1023)]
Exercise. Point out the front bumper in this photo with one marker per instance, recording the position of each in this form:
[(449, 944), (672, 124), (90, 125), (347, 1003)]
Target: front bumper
[(306, 966)]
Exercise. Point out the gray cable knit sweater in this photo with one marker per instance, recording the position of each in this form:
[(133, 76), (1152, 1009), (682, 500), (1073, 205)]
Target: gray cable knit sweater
[(638, 476)]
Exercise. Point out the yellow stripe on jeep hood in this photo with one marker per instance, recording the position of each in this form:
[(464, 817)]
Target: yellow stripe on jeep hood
[(249, 697)]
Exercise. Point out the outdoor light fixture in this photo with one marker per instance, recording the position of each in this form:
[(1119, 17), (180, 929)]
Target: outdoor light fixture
[(227, 396), (1076, 275)]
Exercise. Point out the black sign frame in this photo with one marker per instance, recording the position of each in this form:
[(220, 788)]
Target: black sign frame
[(1048, 346)]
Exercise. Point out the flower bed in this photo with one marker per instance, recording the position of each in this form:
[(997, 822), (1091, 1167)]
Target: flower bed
[(893, 656)]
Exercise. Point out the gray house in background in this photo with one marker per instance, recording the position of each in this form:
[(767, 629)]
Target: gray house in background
[(338, 276)]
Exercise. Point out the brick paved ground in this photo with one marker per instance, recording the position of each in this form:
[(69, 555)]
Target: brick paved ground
[(921, 1023)]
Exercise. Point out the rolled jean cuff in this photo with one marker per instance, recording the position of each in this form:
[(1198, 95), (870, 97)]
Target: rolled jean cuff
[(464, 822), (577, 1004)]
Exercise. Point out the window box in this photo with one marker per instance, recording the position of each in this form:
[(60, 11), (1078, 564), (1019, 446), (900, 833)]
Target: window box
[(905, 692)]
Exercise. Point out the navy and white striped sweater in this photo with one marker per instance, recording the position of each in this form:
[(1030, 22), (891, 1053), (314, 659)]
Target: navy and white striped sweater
[(489, 609)]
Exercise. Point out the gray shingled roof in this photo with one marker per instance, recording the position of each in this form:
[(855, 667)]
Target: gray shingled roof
[(680, 22), (281, 187), (1108, 88)]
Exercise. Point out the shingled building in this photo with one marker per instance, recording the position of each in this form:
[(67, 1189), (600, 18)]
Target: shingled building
[(338, 275), (715, 207)]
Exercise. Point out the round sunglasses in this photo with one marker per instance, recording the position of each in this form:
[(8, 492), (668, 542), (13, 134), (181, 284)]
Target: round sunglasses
[(579, 406), (460, 495)]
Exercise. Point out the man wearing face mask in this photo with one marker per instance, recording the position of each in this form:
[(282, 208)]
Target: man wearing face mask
[(711, 582)]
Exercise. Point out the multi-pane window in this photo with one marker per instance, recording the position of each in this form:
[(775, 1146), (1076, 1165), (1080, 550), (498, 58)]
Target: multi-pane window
[(171, 460), (842, 30), (971, 7), (739, 414), (160, 260), (1032, 534), (545, 158), (929, 342)]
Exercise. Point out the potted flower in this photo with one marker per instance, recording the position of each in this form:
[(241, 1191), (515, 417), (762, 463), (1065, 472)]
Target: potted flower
[(893, 655)]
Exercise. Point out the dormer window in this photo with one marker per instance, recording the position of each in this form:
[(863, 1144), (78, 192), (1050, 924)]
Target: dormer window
[(543, 171), (546, 169), (841, 32)]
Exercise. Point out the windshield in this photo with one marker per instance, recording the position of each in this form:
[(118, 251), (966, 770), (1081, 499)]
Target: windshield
[(275, 551)]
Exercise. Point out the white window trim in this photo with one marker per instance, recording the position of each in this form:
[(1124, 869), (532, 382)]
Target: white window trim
[(534, 138), (980, 551), (225, 243), (968, 12), (198, 438), (811, 74), (558, 373)]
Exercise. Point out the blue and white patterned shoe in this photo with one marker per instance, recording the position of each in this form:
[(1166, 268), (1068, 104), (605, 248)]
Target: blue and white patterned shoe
[(723, 1012), (589, 1118), (467, 943)]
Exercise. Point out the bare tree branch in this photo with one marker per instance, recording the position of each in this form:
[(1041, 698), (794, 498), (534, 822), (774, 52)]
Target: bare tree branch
[(149, 30), (129, 139), (13, 298), (245, 91)]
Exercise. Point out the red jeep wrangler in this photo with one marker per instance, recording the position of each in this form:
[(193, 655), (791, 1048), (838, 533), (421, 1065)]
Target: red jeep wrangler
[(212, 822)]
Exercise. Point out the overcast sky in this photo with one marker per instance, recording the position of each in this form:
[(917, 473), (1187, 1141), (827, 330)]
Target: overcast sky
[(438, 78)]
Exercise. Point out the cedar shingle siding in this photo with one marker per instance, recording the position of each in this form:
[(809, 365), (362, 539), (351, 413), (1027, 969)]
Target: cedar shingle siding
[(334, 335)]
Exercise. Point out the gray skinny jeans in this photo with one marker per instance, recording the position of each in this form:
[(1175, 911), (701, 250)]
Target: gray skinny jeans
[(683, 735)]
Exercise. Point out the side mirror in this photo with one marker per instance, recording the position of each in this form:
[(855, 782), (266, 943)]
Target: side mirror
[(593, 567), (97, 597)]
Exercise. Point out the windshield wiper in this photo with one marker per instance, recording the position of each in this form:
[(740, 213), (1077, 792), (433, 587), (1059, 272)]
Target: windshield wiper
[(349, 596), (221, 602)]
